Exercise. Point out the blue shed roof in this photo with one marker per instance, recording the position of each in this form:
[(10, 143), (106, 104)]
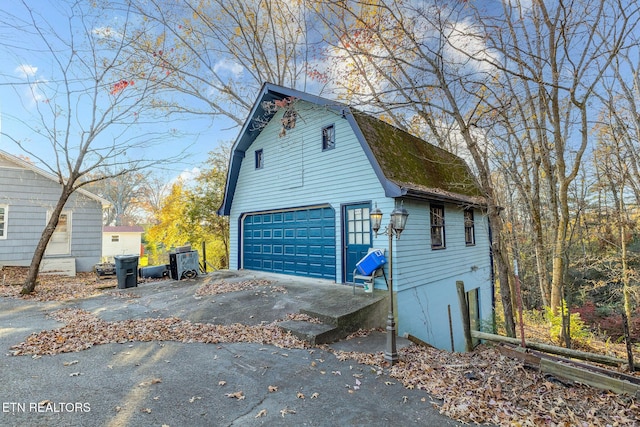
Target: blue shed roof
[(433, 173)]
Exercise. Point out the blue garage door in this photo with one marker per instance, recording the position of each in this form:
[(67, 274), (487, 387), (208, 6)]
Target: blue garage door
[(299, 242)]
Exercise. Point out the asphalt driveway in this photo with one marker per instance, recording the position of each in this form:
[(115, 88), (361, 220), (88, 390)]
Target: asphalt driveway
[(193, 384)]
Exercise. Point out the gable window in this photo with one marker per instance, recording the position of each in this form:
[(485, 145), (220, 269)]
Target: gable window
[(469, 232), (437, 227), (259, 159), (328, 138), (115, 238), (3, 221)]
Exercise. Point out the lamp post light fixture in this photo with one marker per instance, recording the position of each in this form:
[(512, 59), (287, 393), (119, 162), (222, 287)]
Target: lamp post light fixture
[(394, 228)]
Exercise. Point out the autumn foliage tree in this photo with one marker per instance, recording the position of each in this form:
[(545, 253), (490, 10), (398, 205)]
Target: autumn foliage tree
[(188, 213), (170, 228), (204, 201)]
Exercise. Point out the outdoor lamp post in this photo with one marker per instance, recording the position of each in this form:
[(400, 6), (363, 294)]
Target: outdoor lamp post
[(396, 226)]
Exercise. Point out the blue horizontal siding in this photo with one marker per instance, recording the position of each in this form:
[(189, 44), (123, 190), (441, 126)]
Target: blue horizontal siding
[(29, 197), (334, 177)]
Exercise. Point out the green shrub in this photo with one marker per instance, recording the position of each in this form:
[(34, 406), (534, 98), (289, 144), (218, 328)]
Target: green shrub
[(578, 329)]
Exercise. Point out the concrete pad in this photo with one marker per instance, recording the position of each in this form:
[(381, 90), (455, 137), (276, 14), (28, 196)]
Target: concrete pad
[(180, 384)]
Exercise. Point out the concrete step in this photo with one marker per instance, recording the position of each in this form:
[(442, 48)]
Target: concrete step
[(313, 333), (340, 319)]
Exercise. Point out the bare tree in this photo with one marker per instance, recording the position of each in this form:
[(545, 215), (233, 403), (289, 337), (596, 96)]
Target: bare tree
[(405, 62), (515, 87), (218, 53), (87, 107), (123, 192), (554, 59)]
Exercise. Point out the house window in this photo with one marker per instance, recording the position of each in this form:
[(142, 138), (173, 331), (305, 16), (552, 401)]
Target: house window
[(437, 227), (358, 226), (115, 238), (259, 159), (3, 221), (469, 232), (328, 138)]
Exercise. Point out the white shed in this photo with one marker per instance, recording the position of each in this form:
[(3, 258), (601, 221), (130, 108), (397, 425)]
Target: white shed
[(121, 240)]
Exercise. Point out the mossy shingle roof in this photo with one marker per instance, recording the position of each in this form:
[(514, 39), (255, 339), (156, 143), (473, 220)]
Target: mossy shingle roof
[(416, 165)]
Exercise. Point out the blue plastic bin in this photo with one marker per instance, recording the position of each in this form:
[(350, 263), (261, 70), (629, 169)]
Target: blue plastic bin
[(371, 262)]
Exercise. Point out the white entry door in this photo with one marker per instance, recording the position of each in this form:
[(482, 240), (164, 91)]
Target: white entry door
[(60, 243)]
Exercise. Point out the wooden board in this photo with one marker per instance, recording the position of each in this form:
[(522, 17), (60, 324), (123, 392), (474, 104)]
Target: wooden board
[(593, 379), (518, 353)]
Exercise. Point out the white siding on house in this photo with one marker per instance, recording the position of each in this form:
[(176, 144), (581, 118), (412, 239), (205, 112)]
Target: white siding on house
[(298, 173), (128, 243)]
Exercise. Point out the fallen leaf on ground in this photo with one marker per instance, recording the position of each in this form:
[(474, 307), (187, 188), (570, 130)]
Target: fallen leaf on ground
[(262, 413), (286, 411), (237, 395)]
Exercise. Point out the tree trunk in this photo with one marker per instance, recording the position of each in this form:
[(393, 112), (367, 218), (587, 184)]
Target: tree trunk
[(541, 268), (626, 290), (557, 275), (34, 268), (500, 259)]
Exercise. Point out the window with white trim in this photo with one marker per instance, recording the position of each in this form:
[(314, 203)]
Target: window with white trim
[(4, 210)]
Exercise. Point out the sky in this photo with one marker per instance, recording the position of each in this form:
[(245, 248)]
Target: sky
[(27, 77)]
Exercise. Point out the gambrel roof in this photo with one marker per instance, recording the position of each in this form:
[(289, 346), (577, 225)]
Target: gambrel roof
[(406, 166)]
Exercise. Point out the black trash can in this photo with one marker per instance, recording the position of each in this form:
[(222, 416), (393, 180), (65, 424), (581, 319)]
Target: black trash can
[(127, 271)]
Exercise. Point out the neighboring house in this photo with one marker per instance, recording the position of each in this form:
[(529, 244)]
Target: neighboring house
[(121, 240), (302, 181), (28, 195)]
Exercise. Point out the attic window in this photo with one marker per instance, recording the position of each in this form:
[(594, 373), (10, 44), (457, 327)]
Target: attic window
[(437, 227), (259, 159), (328, 138)]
